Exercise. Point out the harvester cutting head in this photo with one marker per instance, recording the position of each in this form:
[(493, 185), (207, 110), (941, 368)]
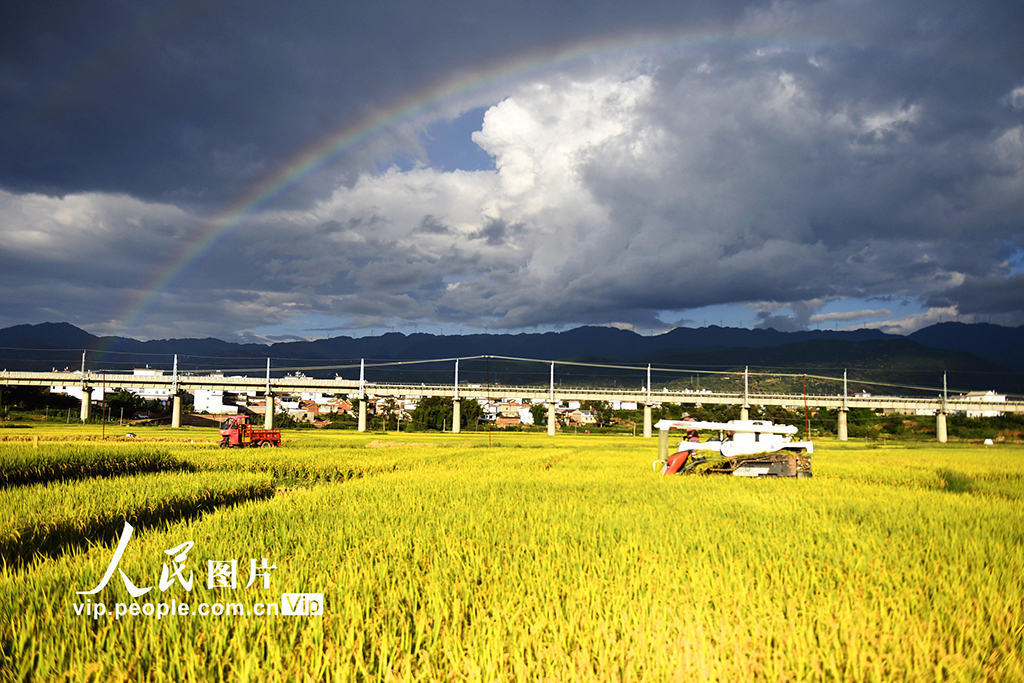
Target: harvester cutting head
[(744, 448)]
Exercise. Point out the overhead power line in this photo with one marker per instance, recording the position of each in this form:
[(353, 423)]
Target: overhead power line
[(351, 364)]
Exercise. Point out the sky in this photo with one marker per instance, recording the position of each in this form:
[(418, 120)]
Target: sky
[(262, 171)]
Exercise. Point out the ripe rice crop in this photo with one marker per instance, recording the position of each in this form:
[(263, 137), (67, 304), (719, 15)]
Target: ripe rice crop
[(323, 463), (22, 464), (49, 518), (298, 465), (569, 560)]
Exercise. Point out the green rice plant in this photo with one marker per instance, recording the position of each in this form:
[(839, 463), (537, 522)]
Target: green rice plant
[(22, 464)]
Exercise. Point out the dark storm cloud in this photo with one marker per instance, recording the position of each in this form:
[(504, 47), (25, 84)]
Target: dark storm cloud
[(192, 102), (992, 295), (831, 150), (897, 165)]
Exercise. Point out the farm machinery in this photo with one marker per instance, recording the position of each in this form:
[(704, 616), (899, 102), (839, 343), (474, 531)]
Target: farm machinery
[(237, 432), (743, 448)]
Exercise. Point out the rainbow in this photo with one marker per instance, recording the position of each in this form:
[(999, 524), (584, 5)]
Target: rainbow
[(315, 157)]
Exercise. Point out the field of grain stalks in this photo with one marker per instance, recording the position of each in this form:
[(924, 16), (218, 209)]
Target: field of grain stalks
[(445, 557)]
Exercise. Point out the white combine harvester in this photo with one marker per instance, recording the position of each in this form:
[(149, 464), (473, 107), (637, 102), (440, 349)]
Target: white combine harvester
[(744, 448)]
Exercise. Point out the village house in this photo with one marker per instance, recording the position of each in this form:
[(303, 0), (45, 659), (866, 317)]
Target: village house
[(214, 402), (582, 417)]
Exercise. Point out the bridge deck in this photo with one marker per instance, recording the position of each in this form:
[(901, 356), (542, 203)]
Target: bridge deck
[(285, 385)]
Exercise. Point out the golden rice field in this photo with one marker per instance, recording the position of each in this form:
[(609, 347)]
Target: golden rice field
[(440, 557)]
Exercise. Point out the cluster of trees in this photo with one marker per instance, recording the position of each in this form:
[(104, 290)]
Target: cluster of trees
[(340, 420), (33, 400), (861, 422), (128, 403), (963, 427), (865, 423), (29, 399), (437, 413)]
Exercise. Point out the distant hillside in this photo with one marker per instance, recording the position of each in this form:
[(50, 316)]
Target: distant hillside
[(975, 356), (870, 364), (1003, 345)]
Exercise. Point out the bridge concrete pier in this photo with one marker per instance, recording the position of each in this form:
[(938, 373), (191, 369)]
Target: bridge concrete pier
[(86, 401), (842, 428), (176, 412), (940, 427), (648, 421), (268, 415), (744, 413), (361, 425), (456, 416), (551, 419)]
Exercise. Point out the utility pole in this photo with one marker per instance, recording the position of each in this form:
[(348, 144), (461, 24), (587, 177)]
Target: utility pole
[(103, 410), (745, 408), (647, 407), (268, 415), (175, 399), (551, 403), (456, 406), (846, 391), (551, 395), (944, 395), (86, 393), (361, 424), (842, 427), (940, 419), (648, 384)]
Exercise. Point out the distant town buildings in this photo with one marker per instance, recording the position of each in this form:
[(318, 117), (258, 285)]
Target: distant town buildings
[(988, 403), (507, 411)]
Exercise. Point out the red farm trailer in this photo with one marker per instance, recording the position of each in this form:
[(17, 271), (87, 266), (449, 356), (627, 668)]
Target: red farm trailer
[(236, 432)]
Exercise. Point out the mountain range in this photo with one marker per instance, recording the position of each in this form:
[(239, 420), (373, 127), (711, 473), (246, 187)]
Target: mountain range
[(976, 356)]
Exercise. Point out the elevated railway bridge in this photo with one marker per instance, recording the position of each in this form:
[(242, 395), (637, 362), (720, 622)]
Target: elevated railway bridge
[(551, 395)]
